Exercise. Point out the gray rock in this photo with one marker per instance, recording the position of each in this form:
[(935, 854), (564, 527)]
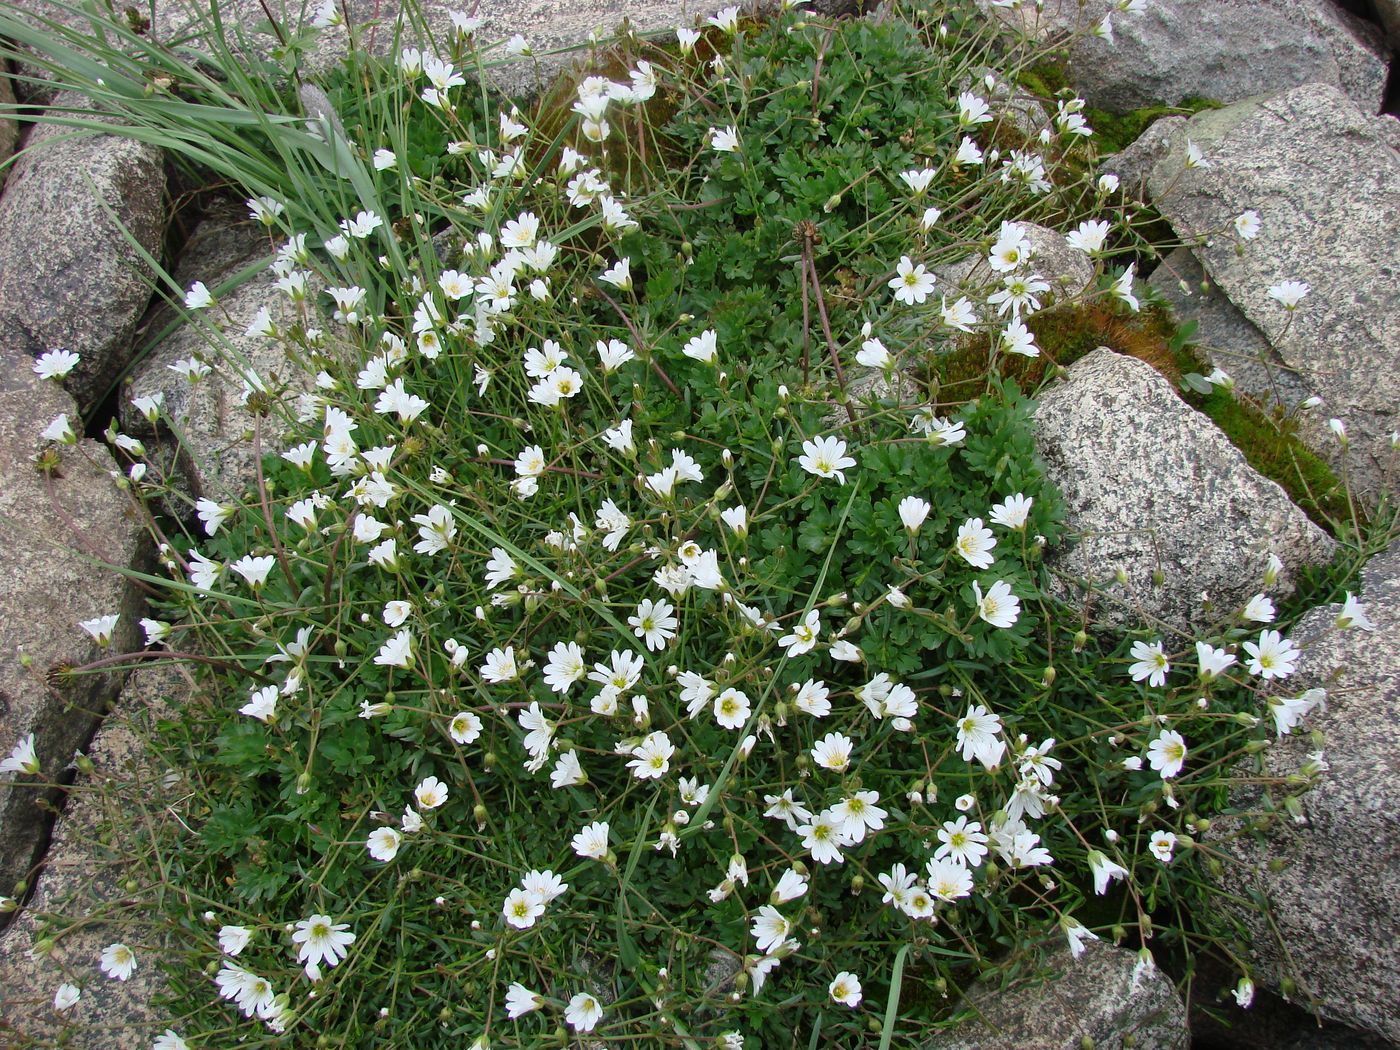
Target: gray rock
[(1150, 484), (82, 882), (1091, 997), (1133, 163), (1336, 903), (1067, 271), (56, 534), (215, 454), (555, 30), (1225, 50), (68, 275), (1231, 342), (1327, 190)]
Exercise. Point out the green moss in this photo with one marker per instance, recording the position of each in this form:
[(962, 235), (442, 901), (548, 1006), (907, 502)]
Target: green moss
[(1064, 335), (1270, 444), (1117, 131), (1046, 79)]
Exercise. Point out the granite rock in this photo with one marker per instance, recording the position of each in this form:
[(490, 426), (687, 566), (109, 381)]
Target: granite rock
[(1151, 485), (65, 538), (1224, 50), (1335, 903), (1326, 188), (68, 275), (216, 456), (1093, 997), (83, 879)]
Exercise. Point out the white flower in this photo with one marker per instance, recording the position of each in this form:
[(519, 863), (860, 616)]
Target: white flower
[(1167, 753), (1161, 845), (383, 844), (60, 430), (66, 996), (1104, 870), (612, 355), (726, 19), (737, 518), (823, 838), (1273, 656), (592, 841), (500, 666), (1259, 609), (1076, 934), (1089, 236), (826, 458), (978, 736), (262, 704), (55, 364), (651, 759), (619, 274), (724, 140), (702, 347), (521, 1001), (522, 908), (1013, 511), (1247, 225), (198, 297), (654, 623), (913, 511), (731, 708), (1353, 615), (430, 793), (833, 752), (464, 728), (1212, 661), (117, 961), (101, 628), (947, 879), (1289, 293), (397, 651), (974, 543), (1244, 993), (803, 637), (770, 928), (567, 771), (233, 939), (1152, 664), (998, 607), (845, 989), (1122, 288), (583, 1012), (790, 886), (912, 283)]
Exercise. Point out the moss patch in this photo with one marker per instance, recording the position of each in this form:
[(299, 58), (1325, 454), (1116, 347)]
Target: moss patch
[(1270, 444), (1268, 440)]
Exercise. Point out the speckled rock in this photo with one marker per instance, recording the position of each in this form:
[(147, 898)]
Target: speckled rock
[(1231, 342), (1224, 50), (1092, 997), (1327, 191), (83, 879), (1135, 162), (555, 31), (216, 456), (56, 533), (1068, 271), (1152, 485), (1336, 901), (68, 276)]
